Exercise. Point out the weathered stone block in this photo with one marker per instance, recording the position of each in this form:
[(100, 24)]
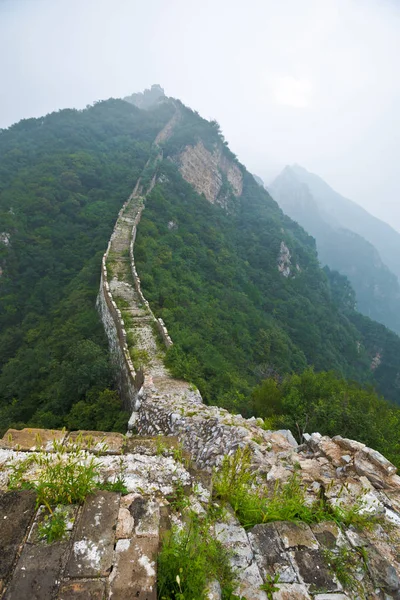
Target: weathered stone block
[(97, 441), (296, 534), (235, 539), (314, 571), (29, 439), (134, 575), (295, 591), (125, 524), (270, 556), (92, 551), (37, 574), (16, 513)]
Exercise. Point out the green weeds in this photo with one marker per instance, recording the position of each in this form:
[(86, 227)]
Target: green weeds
[(54, 526), (271, 585), (346, 564), (236, 485), (189, 559)]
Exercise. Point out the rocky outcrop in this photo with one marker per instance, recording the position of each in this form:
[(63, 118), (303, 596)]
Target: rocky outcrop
[(206, 172), (284, 260)]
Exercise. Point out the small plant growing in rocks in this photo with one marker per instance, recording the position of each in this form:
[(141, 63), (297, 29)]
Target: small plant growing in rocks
[(54, 526), (271, 585), (346, 564), (189, 559), (236, 484)]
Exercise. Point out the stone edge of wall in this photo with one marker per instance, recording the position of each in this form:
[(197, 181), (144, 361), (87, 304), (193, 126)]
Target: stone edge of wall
[(129, 380)]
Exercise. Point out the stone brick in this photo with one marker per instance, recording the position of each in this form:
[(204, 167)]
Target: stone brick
[(37, 574), (92, 551), (294, 591), (125, 524), (249, 582), (296, 534), (314, 571), (97, 441), (150, 445), (328, 534), (29, 439), (16, 512), (134, 574), (82, 590), (270, 556), (235, 539)]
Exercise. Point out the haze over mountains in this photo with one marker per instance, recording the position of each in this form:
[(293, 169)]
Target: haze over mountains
[(349, 240)]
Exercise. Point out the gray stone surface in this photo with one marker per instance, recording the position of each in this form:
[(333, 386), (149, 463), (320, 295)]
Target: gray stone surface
[(295, 591), (37, 574), (296, 534), (314, 571), (134, 574), (270, 555), (16, 513), (93, 545)]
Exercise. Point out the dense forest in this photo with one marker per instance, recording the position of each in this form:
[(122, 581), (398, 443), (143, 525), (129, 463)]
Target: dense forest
[(63, 179)]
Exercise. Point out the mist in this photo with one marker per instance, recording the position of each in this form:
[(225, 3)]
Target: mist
[(312, 82)]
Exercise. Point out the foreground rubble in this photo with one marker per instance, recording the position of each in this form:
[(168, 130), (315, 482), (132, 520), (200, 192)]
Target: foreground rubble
[(111, 544)]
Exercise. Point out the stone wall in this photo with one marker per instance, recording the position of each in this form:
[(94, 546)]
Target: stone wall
[(129, 381)]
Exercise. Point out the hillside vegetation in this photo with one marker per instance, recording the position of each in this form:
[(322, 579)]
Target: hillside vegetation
[(377, 288), (63, 179)]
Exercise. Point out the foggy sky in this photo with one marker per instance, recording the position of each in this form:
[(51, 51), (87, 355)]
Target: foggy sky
[(308, 81)]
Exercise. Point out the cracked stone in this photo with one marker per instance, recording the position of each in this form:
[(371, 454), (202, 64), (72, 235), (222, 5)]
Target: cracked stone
[(134, 575), (270, 557)]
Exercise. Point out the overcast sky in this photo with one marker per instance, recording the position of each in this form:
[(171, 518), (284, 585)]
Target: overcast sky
[(314, 82)]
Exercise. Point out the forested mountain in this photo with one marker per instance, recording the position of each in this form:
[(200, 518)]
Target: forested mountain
[(63, 179), (377, 288), (347, 214), (237, 282)]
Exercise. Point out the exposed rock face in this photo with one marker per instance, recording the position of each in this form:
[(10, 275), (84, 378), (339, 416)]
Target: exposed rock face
[(284, 262), (205, 171), (5, 238)]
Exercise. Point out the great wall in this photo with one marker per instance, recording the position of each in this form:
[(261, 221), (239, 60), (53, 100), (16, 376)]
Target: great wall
[(174, 439)]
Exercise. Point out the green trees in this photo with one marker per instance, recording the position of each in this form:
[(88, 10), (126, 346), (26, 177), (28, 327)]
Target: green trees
[(329, 404), (63, 179)]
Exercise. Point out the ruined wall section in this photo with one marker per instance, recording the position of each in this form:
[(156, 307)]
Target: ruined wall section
[(129, 381)]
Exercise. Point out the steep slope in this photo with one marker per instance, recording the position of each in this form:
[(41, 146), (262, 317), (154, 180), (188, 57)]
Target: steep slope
[(238, 283), (63, 179), (350, 215), (377, 289)]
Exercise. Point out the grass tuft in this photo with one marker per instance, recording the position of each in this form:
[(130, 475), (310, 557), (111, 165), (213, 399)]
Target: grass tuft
[(236, 485)]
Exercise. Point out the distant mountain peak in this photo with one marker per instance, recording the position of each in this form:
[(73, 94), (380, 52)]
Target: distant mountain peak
[(148, 98)]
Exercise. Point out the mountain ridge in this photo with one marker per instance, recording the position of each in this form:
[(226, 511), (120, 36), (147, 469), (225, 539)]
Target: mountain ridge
[(377, 288)]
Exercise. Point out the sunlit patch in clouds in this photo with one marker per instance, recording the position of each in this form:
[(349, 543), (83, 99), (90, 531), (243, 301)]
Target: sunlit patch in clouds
[(292, 92)]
